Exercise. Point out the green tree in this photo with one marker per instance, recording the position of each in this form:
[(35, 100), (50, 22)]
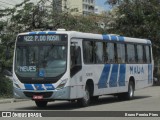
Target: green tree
[(138, 18)]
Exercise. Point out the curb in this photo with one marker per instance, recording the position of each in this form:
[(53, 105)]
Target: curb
[(12, 100)]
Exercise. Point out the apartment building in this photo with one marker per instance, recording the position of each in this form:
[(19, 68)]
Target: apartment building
[(75, 6)]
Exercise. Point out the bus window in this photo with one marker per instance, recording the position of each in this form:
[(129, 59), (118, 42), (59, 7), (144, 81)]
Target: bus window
[(88, 52), (131, 53), (99, 52), (121, 53), (148, 55), (111, 53), (140, 53)]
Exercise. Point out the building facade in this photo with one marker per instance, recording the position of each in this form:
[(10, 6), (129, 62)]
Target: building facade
[(75, 6)]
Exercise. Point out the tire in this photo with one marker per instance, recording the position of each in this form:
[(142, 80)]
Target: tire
[(128, 95), (94, 98), (41, 104), (84, 102)]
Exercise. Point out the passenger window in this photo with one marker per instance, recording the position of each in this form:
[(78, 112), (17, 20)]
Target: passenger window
[(88, 52), (140, 53), (99, 52), (148, 55), (111, 53), (131, 53), (121, 53)]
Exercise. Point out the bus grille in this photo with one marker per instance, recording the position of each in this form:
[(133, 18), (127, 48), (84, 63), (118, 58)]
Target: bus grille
[(45, 94)]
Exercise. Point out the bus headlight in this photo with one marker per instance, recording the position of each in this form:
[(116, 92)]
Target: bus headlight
[(62, 84), (16, 85)]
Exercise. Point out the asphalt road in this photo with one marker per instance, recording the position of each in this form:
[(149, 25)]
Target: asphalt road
[(147, 99)]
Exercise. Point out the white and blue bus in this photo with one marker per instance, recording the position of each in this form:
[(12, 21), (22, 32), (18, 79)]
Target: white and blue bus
[(70, 65)]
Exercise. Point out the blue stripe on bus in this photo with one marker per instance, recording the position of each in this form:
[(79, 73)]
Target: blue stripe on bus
[(42, 33), (28, 87), (32, 33), (105, 37), (122, 72), (149, 73), (113, 37), (114, 74), (38, 86), (104, 76), (51, 33), (49, 86), (120, 38)]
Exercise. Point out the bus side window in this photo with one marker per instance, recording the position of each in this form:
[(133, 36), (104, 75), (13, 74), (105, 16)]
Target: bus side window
[(148, 54), (75, 63), (140, 53), (110, 50), (121, 53), (99, 52), (131, 53), (88, 48)]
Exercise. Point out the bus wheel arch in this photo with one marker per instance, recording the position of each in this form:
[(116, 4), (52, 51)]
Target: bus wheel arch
[(88, 92)]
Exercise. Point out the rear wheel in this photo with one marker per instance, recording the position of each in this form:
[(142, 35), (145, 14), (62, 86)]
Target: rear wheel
[(128, 95), (41, 104), (86, 99)]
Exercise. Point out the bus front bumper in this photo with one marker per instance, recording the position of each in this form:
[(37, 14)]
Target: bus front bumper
[(61, 94)]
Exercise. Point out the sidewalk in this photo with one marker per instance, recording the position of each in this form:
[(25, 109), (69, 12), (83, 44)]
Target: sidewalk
[(11, 100)]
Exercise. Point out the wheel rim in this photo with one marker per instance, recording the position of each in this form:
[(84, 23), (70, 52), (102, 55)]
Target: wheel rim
[(131, 91), (86, 96)]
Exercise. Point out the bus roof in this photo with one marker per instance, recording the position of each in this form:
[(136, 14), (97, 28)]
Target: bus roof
[(75, 34)]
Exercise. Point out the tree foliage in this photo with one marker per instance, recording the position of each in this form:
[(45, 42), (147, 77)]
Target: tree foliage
[(138, 18)]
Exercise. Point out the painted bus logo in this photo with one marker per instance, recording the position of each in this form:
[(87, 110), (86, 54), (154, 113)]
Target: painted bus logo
[(136, 70)]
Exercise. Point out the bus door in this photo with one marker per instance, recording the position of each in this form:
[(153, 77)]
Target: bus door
[(76, 67)]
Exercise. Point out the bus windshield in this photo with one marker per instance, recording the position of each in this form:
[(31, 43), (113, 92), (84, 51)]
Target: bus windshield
[(40, 60)]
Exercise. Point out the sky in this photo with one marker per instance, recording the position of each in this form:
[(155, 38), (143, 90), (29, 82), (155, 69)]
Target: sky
[(101, 4)]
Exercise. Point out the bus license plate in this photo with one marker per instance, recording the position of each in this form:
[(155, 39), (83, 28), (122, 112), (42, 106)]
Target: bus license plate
[(37, 97)]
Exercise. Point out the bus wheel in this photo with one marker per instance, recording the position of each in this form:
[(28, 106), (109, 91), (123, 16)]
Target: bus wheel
[(41, 104), (94, 98), (130, 94), (127, 95), (84, 102)]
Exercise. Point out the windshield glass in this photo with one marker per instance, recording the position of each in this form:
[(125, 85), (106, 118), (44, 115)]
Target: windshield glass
[(40, 60), (41, 55)]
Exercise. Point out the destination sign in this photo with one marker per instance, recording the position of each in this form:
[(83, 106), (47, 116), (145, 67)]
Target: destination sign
[(36, 38)]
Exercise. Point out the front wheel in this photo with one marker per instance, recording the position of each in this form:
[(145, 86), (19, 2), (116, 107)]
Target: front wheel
[(86, 99), (41, 104)]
